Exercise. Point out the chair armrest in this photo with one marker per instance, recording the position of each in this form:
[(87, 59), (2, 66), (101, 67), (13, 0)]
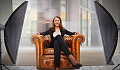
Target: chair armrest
[(38, 41), (76, 41)]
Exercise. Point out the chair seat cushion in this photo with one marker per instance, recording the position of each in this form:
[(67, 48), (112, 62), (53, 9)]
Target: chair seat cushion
[(51, 51), (52, 56)]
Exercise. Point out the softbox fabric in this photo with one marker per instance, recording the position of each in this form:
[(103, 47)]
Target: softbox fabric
[(13, 29), (108, 29)]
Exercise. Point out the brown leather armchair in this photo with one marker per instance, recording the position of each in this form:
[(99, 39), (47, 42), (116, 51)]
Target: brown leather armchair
[(45, 55)]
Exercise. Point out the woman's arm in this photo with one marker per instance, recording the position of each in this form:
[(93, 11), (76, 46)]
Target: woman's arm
[(68, 32), (44, 33)]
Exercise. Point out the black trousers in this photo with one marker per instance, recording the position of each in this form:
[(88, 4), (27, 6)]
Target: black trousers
[(59, 44)]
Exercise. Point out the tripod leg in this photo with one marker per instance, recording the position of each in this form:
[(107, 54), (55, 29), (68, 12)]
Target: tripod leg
[(5, 66), (115, 67), (1, 66)]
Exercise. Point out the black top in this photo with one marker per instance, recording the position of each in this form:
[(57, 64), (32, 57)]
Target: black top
[(49, 31)]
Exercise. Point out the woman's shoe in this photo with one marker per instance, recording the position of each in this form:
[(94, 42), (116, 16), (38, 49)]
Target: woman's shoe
[(78, 65)]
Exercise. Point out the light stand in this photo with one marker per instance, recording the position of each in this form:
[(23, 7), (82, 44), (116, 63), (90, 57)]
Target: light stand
[(118, 27), (1, 28), (116, 67)]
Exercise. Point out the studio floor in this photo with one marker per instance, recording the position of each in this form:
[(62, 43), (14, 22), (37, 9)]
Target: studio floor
[(91, 58), (88, 57), (108, 67)]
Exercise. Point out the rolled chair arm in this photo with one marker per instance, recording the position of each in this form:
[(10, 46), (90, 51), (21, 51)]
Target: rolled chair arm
[(76, 41), (38, 41)]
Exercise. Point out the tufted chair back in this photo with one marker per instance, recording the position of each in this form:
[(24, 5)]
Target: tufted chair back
[(67, 38)]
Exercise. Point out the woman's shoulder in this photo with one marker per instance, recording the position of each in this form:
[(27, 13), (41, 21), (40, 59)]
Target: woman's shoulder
[(65, 29), (50, 28)]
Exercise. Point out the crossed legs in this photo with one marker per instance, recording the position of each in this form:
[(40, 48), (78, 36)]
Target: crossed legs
[(58, 44), (57, 50)]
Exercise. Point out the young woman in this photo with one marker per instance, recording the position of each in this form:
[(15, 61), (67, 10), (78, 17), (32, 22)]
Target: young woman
[(57, 32)]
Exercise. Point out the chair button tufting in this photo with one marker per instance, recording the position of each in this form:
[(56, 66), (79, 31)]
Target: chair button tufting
[(47, 62)]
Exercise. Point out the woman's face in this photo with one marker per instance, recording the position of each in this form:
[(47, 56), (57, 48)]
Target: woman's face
[(57, 21)]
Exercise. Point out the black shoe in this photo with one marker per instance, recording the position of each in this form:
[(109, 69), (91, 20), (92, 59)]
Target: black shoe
[(78, 65)]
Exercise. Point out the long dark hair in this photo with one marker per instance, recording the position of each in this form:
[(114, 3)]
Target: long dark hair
[(60, 25)]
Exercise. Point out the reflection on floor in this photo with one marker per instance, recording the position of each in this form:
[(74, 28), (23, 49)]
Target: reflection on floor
[(92, 56)]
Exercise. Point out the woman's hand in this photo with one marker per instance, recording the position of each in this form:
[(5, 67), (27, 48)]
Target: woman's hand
[(37, 33), (76, 33)]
